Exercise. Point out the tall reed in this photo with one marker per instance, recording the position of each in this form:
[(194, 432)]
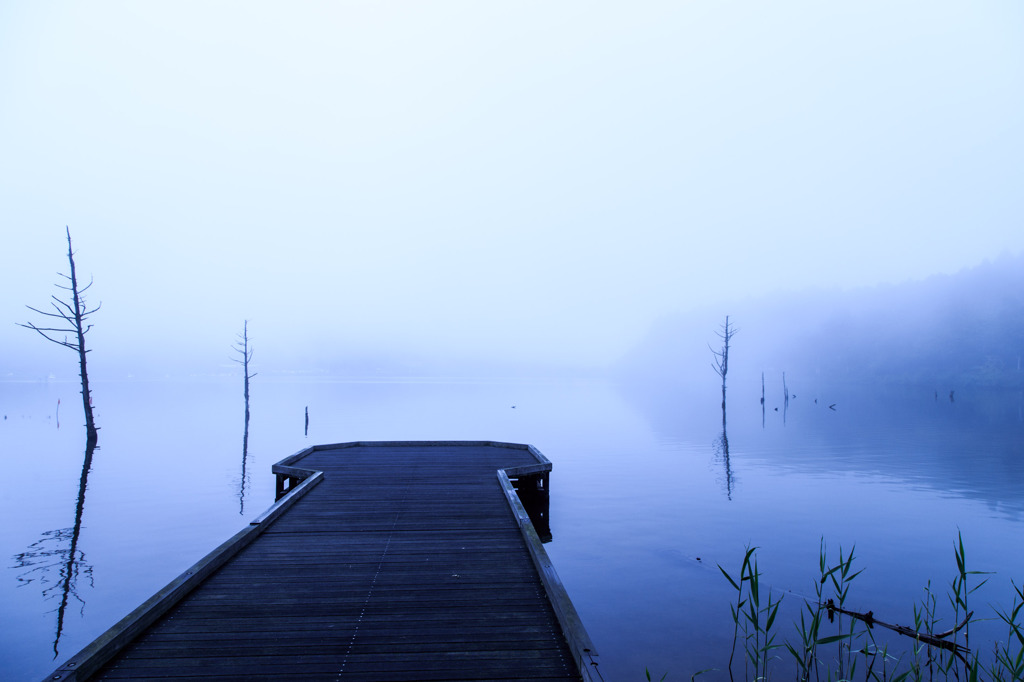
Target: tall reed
[(851, 644), (752, 619)]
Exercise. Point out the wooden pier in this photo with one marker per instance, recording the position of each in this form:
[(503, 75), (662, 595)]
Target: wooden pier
[(379, 561)]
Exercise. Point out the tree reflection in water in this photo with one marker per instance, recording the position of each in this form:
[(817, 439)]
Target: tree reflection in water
[(57, 563), (244, 483), (721, 446), (245, 352)]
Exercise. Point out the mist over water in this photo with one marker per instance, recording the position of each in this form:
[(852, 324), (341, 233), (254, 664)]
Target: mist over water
[(867, 419), (428, 216), (643, 506), (417, 188)]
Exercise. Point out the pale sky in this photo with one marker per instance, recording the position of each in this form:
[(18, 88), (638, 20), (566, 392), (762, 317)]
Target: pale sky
[(526, 180)]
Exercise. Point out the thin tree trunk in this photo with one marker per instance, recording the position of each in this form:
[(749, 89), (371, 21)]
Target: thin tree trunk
[(90, 424), (73, 314), (246, 356)]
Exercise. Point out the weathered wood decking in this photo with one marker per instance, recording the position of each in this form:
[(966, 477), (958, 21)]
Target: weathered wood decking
[(381, 561)]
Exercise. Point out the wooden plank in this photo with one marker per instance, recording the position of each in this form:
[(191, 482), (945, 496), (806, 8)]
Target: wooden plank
[(409, 562), (87, 661)]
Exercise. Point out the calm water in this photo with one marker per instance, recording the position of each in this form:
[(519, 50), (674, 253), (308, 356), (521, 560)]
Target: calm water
[(644, 502)]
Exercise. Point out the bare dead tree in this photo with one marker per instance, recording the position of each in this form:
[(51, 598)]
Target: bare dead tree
[(244, 351), (721, 366), (721, 357), (73, 314)]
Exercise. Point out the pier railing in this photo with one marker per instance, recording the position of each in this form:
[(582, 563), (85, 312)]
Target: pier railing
[(94, 656), (575, 634)]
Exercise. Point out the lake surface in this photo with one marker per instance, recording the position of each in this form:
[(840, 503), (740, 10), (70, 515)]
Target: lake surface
[(644, 501)]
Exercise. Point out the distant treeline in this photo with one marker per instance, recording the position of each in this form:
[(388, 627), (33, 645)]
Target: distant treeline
[(960, 330), (947, 331)]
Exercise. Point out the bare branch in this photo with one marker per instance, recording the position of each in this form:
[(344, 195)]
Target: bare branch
[(42, 332), (60, 305), (958, 650), (720, 358), (61, 316), (55, 301), (46, 329)]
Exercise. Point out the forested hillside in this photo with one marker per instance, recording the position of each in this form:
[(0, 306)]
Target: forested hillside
[(965, 329)]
